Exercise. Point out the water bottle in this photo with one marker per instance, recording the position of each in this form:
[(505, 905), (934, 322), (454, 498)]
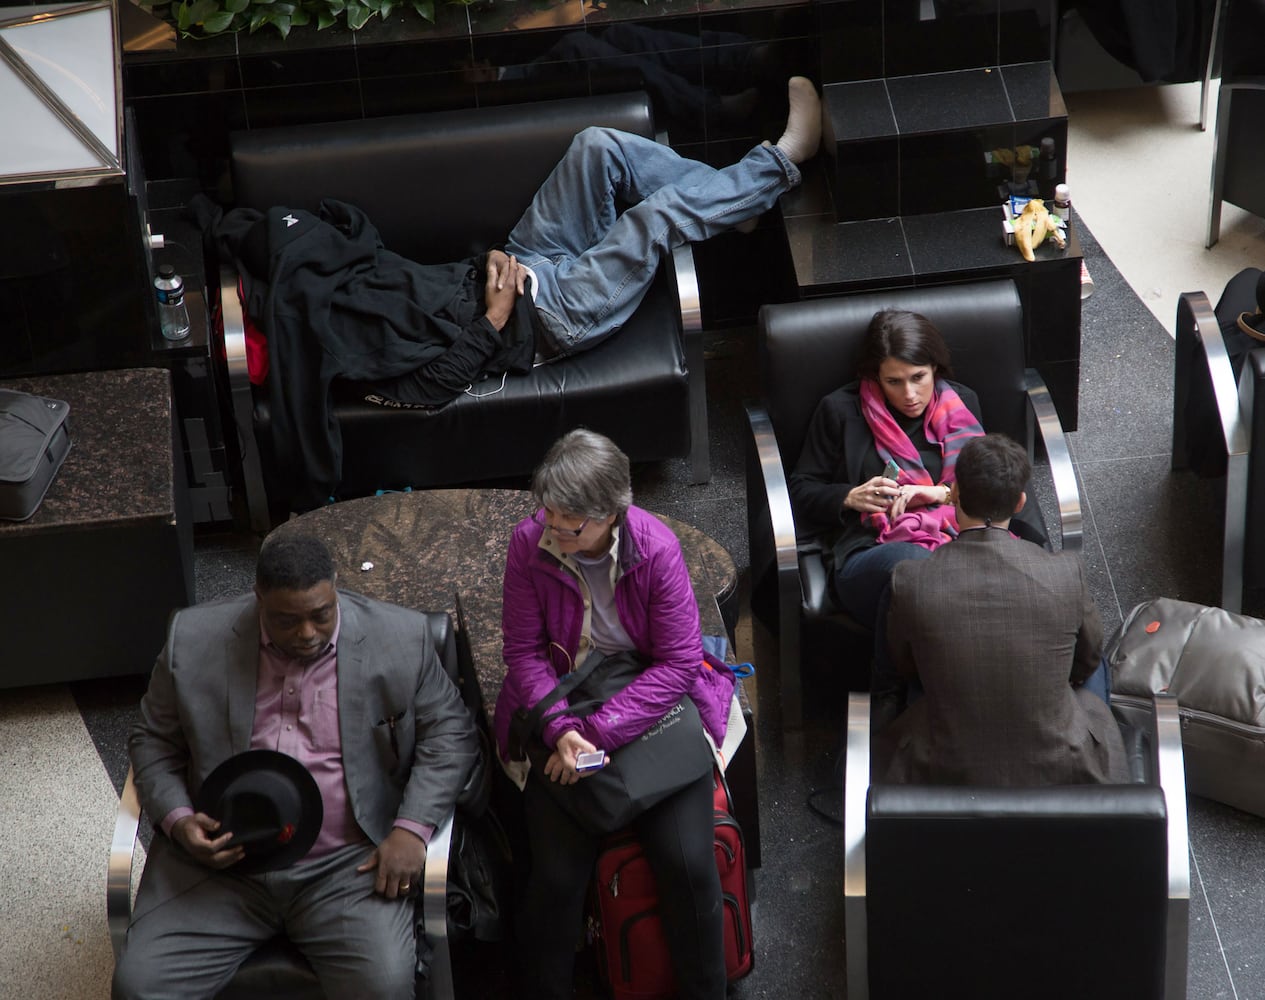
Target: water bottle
[(173, 317)]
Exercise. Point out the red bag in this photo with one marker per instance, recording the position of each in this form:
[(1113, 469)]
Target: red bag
[(624, 925)]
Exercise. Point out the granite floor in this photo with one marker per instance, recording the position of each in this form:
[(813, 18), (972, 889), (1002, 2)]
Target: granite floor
[(1148, 532)]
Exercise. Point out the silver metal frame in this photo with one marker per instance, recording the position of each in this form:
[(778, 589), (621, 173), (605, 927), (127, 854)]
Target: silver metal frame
[(686, 276), (111, 166), (1206, 84), (1197, 326), (1169, 768), (243, 402), (786, 550), (434, 889), (856, 787)]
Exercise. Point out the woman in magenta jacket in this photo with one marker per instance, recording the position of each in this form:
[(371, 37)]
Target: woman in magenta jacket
[(590, 572)]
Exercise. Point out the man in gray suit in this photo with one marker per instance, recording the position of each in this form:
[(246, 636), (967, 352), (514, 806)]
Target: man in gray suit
[(353, 689), (1002, 636)]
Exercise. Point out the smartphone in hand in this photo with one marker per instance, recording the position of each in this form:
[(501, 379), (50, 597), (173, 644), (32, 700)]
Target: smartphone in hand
[(590, 761), (891, 470)]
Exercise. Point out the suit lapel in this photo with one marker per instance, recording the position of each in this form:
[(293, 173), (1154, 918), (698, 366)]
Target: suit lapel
[(351, 659), (242, 677)]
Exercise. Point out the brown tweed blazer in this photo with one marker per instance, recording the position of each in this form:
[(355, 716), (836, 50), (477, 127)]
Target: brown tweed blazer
[(998, 631)]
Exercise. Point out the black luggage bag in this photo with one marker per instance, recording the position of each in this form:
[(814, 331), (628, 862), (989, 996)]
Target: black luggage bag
[(34, 441)]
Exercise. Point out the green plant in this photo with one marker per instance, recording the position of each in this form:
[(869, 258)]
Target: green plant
[(203, 18)]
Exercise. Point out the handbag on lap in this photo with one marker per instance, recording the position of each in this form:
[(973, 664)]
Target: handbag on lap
[(669, 755)]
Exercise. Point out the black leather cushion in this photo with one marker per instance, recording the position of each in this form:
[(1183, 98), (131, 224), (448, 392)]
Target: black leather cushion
[(810, 348), (441, 187), (991, 893)]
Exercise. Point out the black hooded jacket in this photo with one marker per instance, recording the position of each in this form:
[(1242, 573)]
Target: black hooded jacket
[(333, 303)]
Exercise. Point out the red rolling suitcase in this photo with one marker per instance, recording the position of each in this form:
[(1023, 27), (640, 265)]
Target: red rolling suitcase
[(624, 924)]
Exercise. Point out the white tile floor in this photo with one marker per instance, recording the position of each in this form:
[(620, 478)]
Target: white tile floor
[(1140, 173)]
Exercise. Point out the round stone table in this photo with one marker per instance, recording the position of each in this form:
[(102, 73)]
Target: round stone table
[(422, 549)]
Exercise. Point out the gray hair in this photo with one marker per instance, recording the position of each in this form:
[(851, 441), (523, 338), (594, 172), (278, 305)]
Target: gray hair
[(583, 474)]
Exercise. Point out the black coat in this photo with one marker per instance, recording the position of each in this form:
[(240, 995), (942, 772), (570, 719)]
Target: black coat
[(333, 303)]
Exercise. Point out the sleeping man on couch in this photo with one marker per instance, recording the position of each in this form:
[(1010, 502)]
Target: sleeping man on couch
[(333, 303)]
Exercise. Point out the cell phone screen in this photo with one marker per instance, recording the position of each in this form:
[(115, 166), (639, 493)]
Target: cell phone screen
[(590, 761)]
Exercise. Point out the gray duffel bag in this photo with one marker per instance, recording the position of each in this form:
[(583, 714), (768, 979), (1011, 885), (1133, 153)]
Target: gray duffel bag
[(1213, 662), (34, 441)]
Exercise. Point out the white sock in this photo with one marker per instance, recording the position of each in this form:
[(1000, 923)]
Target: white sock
[(803, 124)]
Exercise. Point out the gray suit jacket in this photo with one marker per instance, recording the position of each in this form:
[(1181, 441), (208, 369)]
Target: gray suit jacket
[(200, 709), (998, 630)]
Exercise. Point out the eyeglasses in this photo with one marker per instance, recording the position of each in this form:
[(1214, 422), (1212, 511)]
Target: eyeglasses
[(569, 532), (566, 532)]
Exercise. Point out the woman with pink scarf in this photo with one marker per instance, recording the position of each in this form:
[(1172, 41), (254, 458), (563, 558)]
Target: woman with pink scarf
[(872, 481)]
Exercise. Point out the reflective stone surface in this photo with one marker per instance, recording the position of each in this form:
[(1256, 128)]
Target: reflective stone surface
[(421, 550)]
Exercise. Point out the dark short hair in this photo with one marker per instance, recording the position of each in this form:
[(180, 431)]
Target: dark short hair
[(584, 474), (907, 336), (292, 561), (991, 473)]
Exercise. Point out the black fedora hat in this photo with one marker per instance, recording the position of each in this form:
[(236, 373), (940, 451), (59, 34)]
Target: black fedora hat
[(1253, 324), (271, 804)]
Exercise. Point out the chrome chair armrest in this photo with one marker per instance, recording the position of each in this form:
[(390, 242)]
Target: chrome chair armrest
[(1198, 335), (434, 905), (856, 787), (1170, 767), (243, 402), (1054, 441), (118, 882), (686, 277), (771, 537)]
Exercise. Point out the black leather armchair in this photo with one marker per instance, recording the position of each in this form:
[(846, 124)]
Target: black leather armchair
[(277, 971), (1238, 169), (808, 349), (442, 187), (1204, 375), (1063, 891)]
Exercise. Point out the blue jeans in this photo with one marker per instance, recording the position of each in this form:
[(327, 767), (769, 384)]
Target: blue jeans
[(863, 587), (1099, 681), (593, 265)]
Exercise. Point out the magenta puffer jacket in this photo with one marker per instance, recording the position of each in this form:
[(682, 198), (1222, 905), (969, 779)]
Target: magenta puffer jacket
[(543, 613)]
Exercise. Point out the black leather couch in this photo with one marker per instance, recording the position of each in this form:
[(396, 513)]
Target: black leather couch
[(441, 187)]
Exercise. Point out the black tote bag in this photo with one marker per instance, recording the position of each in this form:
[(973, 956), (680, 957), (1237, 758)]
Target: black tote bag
[(669, 755)]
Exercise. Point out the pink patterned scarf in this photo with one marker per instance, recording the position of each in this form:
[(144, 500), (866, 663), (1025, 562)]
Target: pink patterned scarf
[(947, 422)]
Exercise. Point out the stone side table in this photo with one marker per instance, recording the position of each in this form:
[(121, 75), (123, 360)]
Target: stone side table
[(423, 549), (91, 577)]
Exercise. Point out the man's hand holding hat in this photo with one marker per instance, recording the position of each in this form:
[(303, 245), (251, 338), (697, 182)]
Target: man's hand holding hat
[(196, 833)]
